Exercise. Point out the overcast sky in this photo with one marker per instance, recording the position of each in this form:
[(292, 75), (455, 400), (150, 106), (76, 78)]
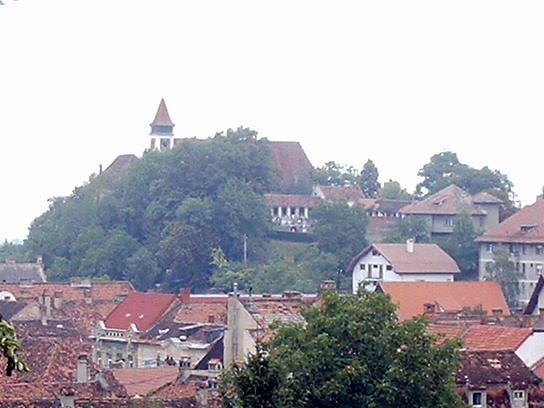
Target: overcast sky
[(394, 81)]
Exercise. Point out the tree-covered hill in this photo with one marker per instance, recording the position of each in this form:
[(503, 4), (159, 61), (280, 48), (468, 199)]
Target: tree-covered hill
[(155, 220)]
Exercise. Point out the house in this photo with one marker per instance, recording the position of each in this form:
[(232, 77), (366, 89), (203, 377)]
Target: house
[(350, 194), (489, 379), (401, 262), (383, 217), (250, 317), (441, 208), (13, 272), (454, 299), (156, 329), (291, 211), (523, 235)]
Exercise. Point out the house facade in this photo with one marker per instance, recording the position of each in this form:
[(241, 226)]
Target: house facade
[(401, 262), (440, 209), (523, 235)]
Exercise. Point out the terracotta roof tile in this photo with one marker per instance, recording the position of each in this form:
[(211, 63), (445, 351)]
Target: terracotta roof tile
[(162, 117), (448, 331), (141, 309), (526, 226), (451, 200), (342, 193), (291, 200), (538, 368), (141, 381), (410, 297), (203, 309), (426, 258), (291, 161), (494, 338)]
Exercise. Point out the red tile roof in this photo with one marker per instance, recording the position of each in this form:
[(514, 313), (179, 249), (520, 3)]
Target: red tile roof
[(410, 297), (525, 226), (203, 309), (141, 381), (141, 309), (451, 200), (291, 200), (447, 331), (292, 162), (342, 193), (538, 368), (162, 118), (495, 338), (426, 258)]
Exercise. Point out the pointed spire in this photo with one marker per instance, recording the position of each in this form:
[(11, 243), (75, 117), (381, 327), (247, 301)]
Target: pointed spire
[(162, 124)]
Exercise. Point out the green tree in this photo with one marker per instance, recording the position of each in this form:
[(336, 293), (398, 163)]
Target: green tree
[(410, 227), (335, 174), (351, 352), (461, 246), (339, 229), (392, 190), (368, 180), (504, 271), (142, 269), (9, 346)]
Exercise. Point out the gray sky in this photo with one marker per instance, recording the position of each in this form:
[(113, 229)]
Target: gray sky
[(395, 81)]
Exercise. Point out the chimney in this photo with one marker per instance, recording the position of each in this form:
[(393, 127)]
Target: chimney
[(47, 303), (39, 261), (410, 245), (497, 312), (327, 286), (58, 298), (185, 295), (211, 318), (100, 169), (43, 314), (82, 370), (87, 296), (429, 309)]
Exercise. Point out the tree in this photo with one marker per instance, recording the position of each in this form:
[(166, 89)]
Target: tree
[(392, 190), (504, 271), (415, 227), (461, 246), (335, 174), (368, 180), (9, 346), (351, 352), (339, 229)]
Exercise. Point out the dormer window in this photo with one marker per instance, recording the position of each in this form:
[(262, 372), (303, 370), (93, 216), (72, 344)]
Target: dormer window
[(477, 399), (527, 227)]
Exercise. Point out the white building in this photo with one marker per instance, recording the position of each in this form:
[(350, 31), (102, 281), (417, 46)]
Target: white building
[(402, 262)]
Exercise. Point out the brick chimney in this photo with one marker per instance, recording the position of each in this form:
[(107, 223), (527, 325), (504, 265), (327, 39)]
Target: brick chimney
[(58, 298), (497, 312), (327, 286), (82, 374), (429, 309), (410, 245), (88, 296), (185, 295)]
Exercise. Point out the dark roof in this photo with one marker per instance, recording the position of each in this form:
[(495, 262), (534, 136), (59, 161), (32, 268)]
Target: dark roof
[(480, 369), (141, 309), (294, 167), (162, 117), (291, 200), (426, 258), (384, 205), (525, 226), (21, 272), (120, 164), (342, 193), (8, 308), (215, 352), (486, 198), (533, 301), (451, 200)]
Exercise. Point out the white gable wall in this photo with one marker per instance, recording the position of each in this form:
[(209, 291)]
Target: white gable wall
[(375, 267), (532, 349)]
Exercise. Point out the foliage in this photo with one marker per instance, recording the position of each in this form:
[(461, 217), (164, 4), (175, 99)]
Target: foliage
[(339, 229), (9, 346), (504, 271), (392, 190), (368, 180), (445, 168), (167, 211), (351, 352), (335, 174), (416, 227), (461, 246)]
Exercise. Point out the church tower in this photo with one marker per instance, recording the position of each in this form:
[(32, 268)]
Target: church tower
[(162, 129)]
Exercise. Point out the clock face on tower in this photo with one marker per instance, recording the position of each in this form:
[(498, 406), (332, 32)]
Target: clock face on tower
[(165, 144)]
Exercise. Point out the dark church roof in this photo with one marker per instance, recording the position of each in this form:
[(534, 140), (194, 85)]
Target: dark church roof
[(294, 168), (162, 118)]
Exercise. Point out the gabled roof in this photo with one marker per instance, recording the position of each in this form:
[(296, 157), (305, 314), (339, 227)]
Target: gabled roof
[(293, 165), (291, 200), (426, 258), (494, 338), (525, 226), (486, 198), (141, 309), (481, 369), (410, 297), (141, 381), (451, 200), (533, 301), (162, 117), (11, 272), (341, 193)]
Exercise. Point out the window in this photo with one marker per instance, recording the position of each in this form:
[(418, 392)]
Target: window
[(362, 267), (374, 252), (389, 267), (539, 250), (489, 248), (477, 399), (519, 395), (449, 221)]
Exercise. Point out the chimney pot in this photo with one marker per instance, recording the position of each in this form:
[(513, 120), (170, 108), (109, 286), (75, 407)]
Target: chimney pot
[(82, 369), (410, 245), (185, 295)]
